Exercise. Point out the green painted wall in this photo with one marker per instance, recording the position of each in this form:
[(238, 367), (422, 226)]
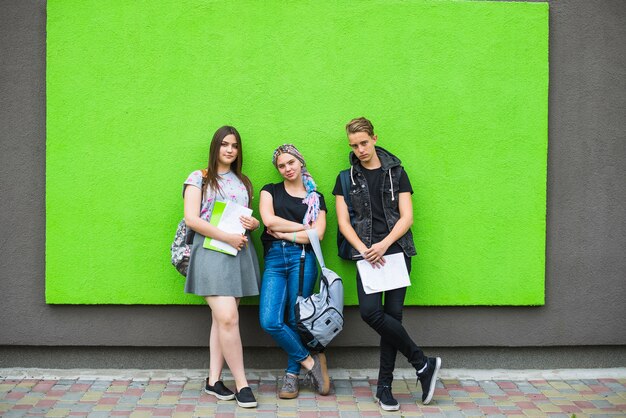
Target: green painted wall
[(135, 90)]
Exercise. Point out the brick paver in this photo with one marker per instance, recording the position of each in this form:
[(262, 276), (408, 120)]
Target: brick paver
[(350, 398)]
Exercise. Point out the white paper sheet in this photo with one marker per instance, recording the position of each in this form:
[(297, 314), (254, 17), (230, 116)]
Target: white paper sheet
[(229, 222), (392, 275)]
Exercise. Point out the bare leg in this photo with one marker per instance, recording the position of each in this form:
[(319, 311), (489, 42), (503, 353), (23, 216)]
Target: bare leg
[(216, 358), (307, 362), (226, 319)]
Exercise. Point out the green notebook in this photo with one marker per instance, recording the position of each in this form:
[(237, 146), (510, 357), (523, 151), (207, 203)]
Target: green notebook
[(218, 211), (231, 225)]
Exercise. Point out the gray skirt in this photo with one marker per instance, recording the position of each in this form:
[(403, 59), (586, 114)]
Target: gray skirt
[(212, 273)]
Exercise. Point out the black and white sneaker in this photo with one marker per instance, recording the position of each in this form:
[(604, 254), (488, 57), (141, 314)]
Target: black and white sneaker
[(245, 398), (428, 378), (219, 390), (385, 399)]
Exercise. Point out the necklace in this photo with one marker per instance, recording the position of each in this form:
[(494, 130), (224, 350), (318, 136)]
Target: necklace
[(224, 173)]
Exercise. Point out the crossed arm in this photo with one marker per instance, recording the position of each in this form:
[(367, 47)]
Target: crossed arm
[(281, 228)]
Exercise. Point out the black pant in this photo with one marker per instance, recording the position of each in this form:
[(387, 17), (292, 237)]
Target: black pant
[(386, 320)]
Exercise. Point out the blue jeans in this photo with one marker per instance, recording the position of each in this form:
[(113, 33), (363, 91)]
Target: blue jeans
[(279, 290)]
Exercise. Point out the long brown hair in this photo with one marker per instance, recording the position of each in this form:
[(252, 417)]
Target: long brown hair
[(211, 177)]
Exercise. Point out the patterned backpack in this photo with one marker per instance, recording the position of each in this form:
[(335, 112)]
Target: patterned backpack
[(181, 247), (183, 240)]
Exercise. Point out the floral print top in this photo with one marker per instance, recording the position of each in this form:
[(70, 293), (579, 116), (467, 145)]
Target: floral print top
[(231, 189)]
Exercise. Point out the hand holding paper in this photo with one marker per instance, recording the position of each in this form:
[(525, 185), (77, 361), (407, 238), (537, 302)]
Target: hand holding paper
[(226, 216), (392, 275), (375, 254)]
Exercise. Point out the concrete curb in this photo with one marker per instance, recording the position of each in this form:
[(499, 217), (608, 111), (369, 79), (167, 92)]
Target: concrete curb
[(337, 374)]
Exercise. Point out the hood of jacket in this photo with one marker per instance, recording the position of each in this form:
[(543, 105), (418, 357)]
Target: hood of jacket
[(387, 159)]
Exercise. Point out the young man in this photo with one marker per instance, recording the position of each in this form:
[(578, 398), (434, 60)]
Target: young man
[(382, 215)]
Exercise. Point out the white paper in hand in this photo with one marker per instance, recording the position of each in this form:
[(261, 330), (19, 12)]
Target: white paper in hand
[(229, 222), (393, 275)]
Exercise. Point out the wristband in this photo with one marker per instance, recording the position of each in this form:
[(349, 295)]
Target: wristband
[(294, 238)]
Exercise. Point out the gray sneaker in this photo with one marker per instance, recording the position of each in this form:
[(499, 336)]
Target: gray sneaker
[(290, 387), (319, 374)]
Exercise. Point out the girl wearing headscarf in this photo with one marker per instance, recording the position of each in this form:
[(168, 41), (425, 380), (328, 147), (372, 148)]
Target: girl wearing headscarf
[(287, 209)]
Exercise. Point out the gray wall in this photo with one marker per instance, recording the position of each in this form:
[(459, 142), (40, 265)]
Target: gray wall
[(586, 222)]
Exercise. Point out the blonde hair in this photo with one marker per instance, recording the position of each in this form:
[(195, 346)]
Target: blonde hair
[(360, 125)]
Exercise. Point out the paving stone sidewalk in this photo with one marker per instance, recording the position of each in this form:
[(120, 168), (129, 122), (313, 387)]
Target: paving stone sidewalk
[(94, 396)]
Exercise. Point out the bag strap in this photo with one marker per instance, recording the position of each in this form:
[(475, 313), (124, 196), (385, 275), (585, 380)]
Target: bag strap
[(314, 239), (344, 178), (190, 235), (315, 244), (301, 278)]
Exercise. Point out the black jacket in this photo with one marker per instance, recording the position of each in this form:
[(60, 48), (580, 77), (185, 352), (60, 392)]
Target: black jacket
[(360, 199)]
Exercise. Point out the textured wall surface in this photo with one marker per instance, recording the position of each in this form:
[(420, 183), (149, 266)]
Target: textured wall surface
[(458, 90), (585, 264)]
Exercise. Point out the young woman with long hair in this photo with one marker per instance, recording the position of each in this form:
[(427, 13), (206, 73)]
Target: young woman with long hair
[(222, 279)]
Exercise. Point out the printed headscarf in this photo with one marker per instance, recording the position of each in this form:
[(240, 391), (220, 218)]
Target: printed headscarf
[(312, 199)]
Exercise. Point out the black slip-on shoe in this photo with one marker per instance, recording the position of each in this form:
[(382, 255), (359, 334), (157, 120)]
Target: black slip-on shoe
[(245, 398), (219, 390)]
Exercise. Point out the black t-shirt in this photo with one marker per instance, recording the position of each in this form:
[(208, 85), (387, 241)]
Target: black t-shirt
[(286, 206), (374, 180)]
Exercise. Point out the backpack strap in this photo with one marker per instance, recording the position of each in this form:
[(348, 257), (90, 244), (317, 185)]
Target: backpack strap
[(301, 277), (315, 244), (344, 178), (190, 233)]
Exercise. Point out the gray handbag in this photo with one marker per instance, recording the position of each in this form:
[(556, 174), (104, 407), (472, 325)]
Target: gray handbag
[(319, 317)]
